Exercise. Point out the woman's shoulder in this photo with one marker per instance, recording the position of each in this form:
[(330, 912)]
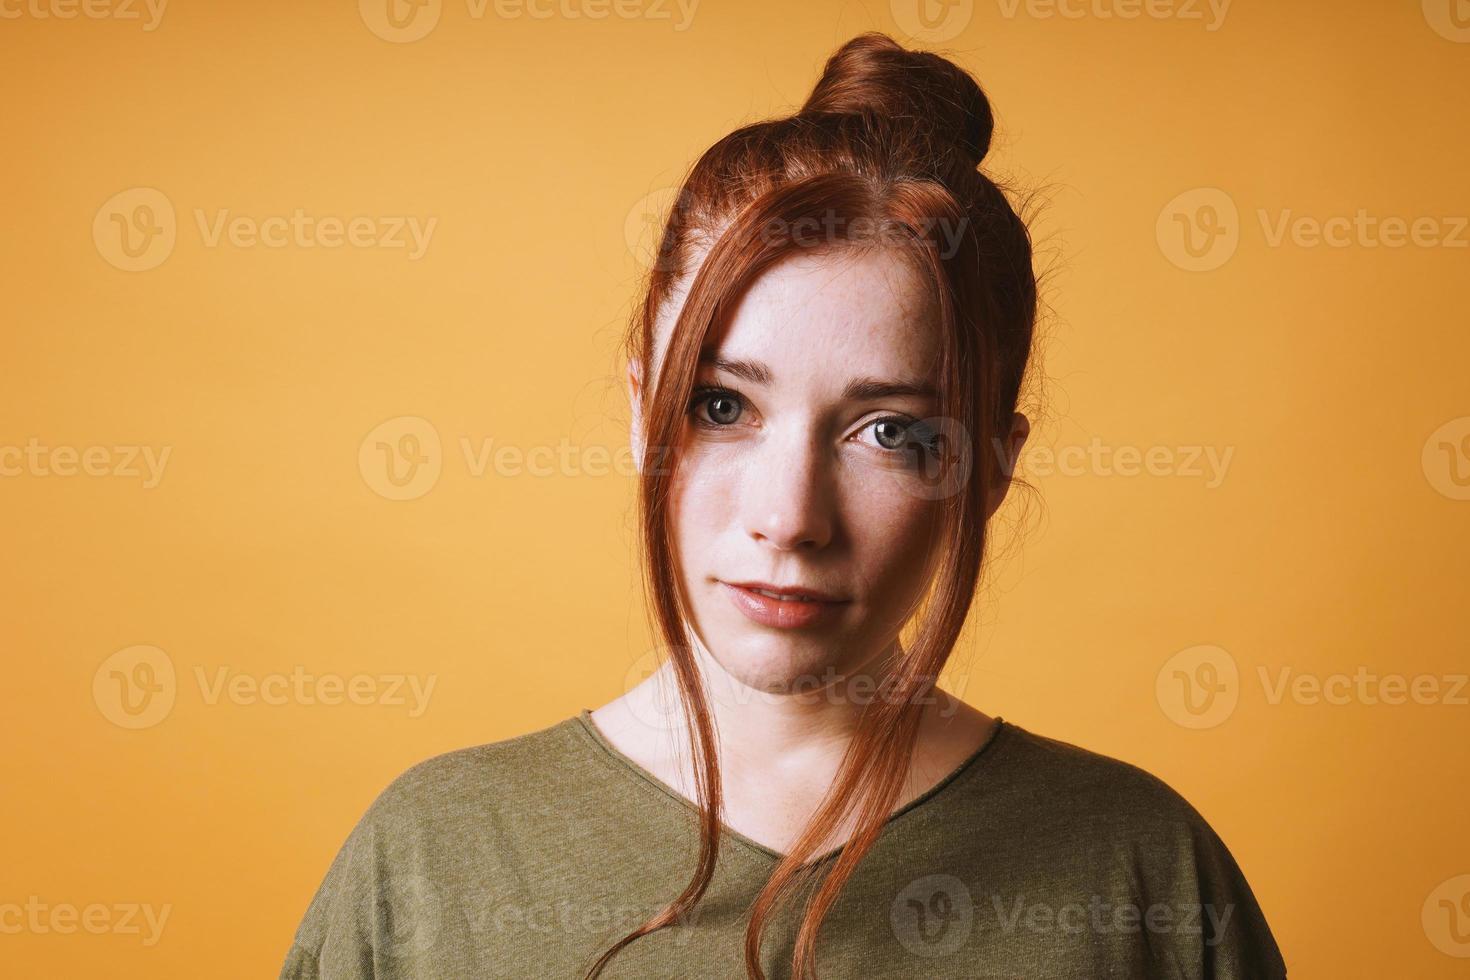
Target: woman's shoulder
[(476, 775), (1098, 811), (460, 810), (1068, 779), (1074, 821)]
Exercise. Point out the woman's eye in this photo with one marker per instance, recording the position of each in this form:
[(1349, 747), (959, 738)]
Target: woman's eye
[(900, 435), (720, 406)]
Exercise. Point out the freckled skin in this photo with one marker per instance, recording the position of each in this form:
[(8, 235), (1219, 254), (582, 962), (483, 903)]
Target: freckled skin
[(798, 486)]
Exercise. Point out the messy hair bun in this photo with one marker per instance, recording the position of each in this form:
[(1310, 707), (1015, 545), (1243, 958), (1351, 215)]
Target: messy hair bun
[(873, 73)]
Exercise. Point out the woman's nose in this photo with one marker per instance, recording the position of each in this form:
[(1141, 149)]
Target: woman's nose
[(788, 500)]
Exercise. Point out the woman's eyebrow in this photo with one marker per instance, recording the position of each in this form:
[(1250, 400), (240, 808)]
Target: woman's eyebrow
[(752, 371), (856, 390), (875, 389)]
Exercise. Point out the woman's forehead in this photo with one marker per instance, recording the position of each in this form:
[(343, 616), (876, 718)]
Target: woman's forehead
[(848, 309)]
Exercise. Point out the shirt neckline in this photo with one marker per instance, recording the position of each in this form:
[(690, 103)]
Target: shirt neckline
[(624, 763)]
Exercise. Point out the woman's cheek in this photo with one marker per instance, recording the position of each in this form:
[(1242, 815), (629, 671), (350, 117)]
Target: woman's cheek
[(702, 496), (891, 531)]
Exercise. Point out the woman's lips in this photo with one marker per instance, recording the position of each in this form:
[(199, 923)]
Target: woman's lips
[(780, 613)]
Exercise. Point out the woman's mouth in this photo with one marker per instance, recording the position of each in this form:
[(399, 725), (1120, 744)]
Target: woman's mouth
[(771, 606)]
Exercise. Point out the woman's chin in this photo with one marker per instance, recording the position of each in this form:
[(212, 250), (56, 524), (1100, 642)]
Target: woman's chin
[(779, 669)]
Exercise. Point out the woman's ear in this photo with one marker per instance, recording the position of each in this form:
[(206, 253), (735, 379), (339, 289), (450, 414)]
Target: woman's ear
[(635, 399), (1007, 453)]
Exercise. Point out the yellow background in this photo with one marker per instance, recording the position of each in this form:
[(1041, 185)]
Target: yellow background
[(1336, 540)]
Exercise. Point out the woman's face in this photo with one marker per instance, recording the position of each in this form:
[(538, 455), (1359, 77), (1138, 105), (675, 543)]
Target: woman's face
[(798, 469)]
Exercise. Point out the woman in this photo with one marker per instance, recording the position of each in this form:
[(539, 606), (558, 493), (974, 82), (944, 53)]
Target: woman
[(824, 376)]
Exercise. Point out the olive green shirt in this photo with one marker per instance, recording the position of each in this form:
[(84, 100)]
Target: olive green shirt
[(528, 857)]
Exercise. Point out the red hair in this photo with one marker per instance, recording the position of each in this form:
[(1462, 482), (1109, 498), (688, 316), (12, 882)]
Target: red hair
[(889, 139)]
